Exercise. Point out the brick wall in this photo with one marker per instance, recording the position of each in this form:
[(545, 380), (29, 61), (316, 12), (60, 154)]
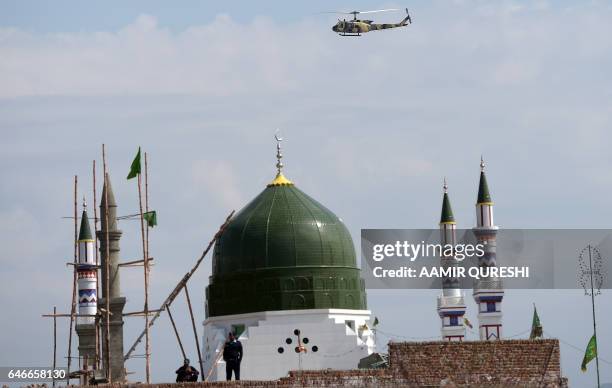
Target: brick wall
[(490, 364), (495, 363)]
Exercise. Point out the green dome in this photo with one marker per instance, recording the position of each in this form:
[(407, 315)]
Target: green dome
[(284, 251)]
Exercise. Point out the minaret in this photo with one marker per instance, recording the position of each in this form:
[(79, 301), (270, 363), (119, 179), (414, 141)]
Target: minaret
[(488, 292), (451, 305), (117, 302), (87, 275)]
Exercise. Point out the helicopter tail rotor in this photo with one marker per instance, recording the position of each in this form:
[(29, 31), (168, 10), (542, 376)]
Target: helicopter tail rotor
[(407, 20)]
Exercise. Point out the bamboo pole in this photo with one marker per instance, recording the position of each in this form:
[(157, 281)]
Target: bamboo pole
[(214, 364), (96, 363), (146, 260), (195, 331), (178, 338), (146, 284), (107, 265), (594, 321), (146, 182), (66, 315), (96, 248), (54, 341), (74, 281), (177, 289), (140, 313), (134, 263)]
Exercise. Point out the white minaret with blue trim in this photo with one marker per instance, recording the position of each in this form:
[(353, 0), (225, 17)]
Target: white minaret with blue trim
[(451, 305), (488, 292), (87, 273)]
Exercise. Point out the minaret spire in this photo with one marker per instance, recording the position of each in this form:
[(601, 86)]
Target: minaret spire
[(488, 292), (109, 237), (280, 179), (484, 197), (85, 232), (447, 216), (451, 304)]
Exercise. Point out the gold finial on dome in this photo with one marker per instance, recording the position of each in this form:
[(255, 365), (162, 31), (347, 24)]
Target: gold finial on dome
[(280, 179)]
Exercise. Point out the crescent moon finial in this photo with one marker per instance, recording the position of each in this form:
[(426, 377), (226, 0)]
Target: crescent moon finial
[(279, 154), (280, 179)]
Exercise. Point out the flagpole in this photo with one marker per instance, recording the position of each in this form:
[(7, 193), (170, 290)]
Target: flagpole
[(594, 322), (146, 277)]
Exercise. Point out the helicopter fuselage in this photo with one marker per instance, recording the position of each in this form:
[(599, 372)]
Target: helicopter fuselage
[(356, 27)]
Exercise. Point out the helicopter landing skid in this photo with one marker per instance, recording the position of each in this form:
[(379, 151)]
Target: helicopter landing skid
[(349, 34)]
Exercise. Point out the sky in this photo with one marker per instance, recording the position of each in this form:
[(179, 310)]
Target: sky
[(371, 127)]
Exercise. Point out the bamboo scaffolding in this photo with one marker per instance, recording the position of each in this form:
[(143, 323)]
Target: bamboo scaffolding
[(146, 282), (54, 341), (195, 331), (107, 265), (180, 284), (74, 281), (129, 217), (133, 263), (96, 248), (178, 338), (66, 315), (141, 313)]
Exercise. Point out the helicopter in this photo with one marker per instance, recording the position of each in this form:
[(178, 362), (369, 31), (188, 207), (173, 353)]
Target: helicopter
[(357, 27)]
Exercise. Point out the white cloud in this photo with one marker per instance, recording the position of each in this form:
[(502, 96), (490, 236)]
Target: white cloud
[(505, 43)]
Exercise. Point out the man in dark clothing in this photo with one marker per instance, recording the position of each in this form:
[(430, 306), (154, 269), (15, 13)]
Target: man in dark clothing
[(186, 373), (232, 355)]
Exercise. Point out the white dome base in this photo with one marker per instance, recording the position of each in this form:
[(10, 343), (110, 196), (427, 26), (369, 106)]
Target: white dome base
[(341, 337)]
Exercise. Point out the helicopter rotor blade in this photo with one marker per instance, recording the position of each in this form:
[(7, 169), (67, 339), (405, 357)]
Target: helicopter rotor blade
[(338, 12), (360, 12), (377, 10)]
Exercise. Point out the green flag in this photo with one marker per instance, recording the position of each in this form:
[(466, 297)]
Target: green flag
[(151, 218), (536, 326), (135, 167), (590, 353), (375, 322)]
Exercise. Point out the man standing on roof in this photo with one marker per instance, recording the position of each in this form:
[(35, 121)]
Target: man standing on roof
[(232, 355)]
